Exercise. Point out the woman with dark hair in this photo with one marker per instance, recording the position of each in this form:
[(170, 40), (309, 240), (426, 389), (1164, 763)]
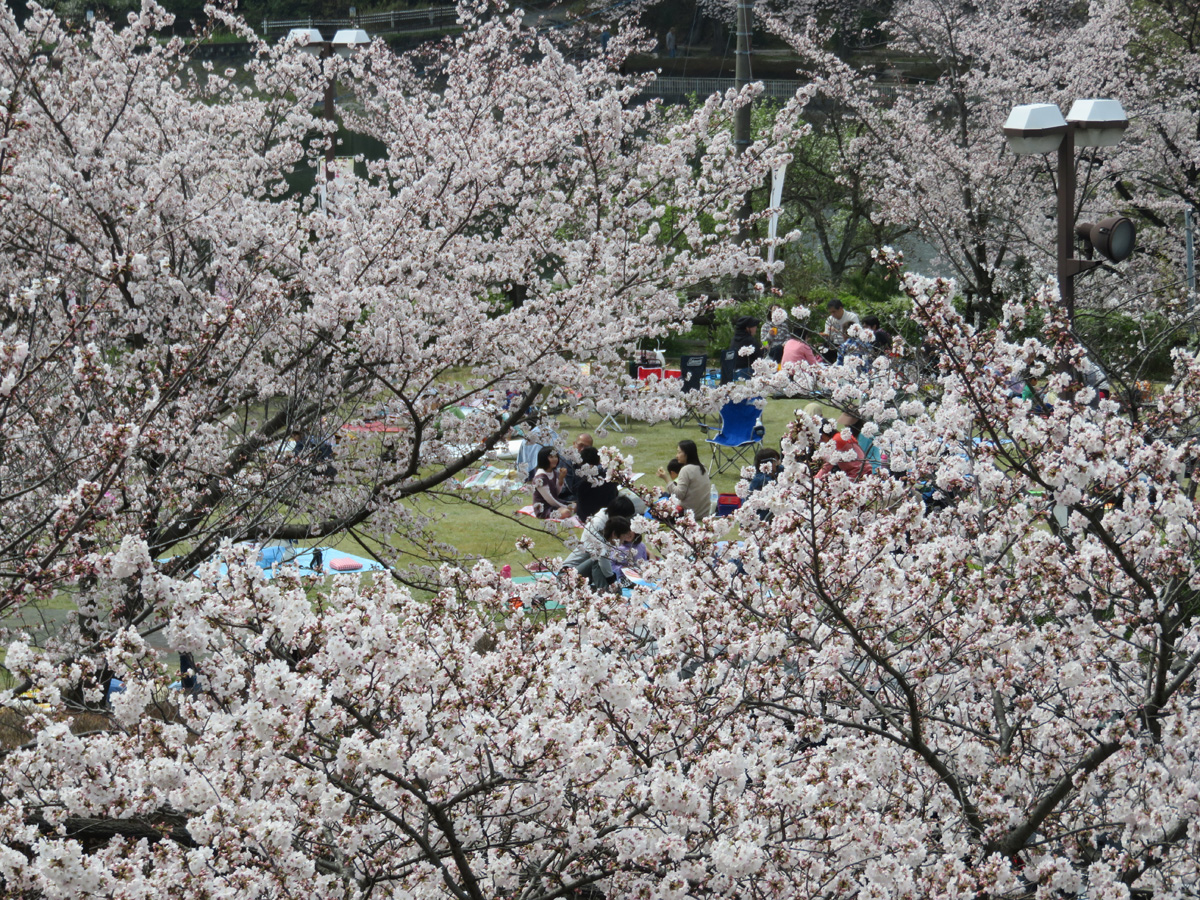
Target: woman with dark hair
[(766, 468), (593, 492), (602, 536), (693, 488), (547, 486), (883, 339)]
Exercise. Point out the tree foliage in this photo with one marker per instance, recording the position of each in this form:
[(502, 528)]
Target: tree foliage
[(867, 694), (174, 312), (969, 672)]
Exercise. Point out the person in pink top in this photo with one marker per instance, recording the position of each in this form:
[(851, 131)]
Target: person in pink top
[(796, 351)]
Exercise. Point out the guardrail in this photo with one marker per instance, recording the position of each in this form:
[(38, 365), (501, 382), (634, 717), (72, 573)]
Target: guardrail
[(396, 20), (703, 87)]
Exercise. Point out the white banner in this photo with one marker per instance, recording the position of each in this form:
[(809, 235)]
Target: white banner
[(776, 199)]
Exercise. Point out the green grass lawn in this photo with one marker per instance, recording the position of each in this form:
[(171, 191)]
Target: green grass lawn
[(480, 533)]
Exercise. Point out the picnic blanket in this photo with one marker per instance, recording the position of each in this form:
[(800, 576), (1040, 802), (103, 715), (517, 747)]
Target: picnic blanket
[(371, 427), (272, 560), (569, 521), (493, 478)]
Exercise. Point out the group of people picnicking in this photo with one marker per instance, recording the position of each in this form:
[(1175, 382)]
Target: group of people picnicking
[(578, 486), (575, 484), (563, 487), (837, 342)]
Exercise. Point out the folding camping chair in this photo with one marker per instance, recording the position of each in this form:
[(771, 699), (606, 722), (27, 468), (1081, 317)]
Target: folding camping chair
[(694, 369), (609, 423), (739, 438), (729, 366)]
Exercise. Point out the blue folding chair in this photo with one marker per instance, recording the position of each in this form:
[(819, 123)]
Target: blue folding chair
[(739, 438)]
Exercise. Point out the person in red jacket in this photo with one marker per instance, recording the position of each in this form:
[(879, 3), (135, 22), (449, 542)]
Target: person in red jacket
[(851, 459)]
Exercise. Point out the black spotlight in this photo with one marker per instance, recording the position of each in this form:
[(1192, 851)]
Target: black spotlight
[(1114, 237)]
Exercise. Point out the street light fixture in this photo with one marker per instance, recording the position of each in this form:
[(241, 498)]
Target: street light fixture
[(1039, 128), (347, 40), (344, 43), (309, 40)]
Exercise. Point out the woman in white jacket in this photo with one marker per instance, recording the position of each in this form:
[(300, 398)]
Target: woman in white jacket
[(593, 557)]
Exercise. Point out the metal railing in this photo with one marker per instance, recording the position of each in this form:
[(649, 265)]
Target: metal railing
[(396, 20), (703, 87)]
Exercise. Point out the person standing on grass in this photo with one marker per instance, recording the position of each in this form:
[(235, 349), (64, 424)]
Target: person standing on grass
[(693, 488)]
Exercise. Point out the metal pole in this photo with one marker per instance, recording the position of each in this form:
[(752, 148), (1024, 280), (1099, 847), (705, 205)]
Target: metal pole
[(1067, 264), (330, 116), (741, 122), (1189, 224), (741, 119)]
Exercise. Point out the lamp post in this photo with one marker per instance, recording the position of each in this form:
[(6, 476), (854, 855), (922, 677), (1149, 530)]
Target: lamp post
[(344, 43), (1039, 128), (741, 121)]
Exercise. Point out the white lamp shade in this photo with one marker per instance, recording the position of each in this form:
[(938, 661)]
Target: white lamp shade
[(349, 39), (1035, 128), (309, 40), (1098, 123)]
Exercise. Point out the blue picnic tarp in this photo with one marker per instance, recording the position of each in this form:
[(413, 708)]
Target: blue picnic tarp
[(274, 559), (303, 558)]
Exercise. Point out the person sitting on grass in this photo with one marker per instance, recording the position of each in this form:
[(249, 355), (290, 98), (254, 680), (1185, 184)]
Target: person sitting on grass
[(547, 487), (766, 468), (592, 559), (571, 460), (693, 488), (851, 458), (592, 539), (837, 328), (746, 345), (883, 339), (592, 492), (874, 455), (796, 351), (629, 555), (674, 467)]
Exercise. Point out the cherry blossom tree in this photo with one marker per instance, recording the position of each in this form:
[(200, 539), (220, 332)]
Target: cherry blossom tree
[(971, 671), (931, 145), (866, 694), (177, 310)]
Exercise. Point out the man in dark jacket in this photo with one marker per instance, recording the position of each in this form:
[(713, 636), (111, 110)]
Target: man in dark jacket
[(745, 334)]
